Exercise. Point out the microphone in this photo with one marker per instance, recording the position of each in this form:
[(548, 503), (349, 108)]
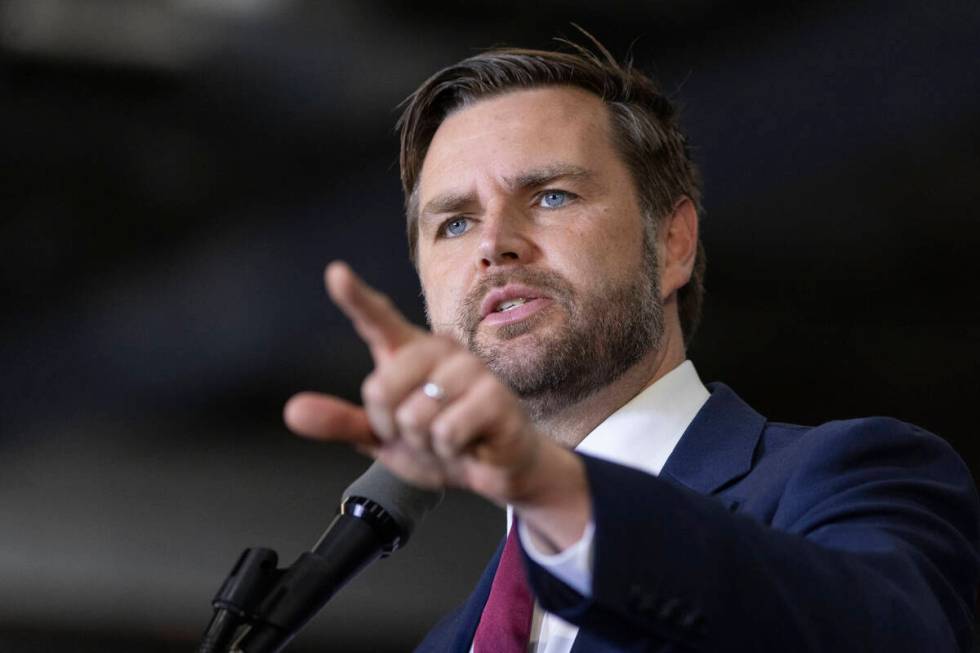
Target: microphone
[(378, 513)]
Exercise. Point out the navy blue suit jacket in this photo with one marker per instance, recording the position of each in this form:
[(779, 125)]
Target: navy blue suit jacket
[(858, 535)]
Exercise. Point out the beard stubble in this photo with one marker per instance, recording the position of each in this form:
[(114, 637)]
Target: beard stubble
[(603, 335)]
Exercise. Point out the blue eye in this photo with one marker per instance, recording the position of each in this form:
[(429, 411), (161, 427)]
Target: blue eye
[(456, 227), (554, 199)]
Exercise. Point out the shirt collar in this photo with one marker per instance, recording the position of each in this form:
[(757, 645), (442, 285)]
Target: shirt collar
[(644, 432)]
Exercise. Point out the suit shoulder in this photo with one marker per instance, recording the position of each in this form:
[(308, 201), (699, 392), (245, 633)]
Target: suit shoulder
[(857, 437), (797, 467)]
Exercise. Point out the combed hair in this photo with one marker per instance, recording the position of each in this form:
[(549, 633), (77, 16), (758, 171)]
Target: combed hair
[(645, 126)]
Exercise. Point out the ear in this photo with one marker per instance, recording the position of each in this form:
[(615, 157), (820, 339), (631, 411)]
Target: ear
[(679, 246)]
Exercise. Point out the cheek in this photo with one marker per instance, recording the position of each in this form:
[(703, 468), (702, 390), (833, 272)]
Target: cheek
[(443, 293), (602, 249)]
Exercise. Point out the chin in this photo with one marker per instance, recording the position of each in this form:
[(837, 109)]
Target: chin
[(517, 353), (515, 359), (511, 349)]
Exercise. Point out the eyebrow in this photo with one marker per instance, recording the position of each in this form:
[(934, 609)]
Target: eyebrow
[(547, 174), (455, 202), (446, 203)]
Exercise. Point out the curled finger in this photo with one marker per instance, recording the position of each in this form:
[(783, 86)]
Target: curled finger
[(447, 382), (481, 414)]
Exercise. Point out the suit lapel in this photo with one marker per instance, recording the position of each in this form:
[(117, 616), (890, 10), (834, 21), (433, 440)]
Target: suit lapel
[(469, 616), (718, 446)]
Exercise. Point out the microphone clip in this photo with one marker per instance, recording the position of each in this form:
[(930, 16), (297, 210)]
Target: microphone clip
[(260, 608), (237, 601)]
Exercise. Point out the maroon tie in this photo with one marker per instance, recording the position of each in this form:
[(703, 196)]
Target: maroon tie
[(505, 626)]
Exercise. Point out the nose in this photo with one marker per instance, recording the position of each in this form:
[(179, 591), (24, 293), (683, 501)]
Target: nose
[(503, 241)]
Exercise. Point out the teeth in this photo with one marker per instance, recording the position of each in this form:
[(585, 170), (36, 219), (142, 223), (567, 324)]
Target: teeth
[(509, 304)]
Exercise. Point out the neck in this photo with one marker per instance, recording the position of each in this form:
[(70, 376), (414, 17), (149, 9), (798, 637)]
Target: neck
[(570, 425)]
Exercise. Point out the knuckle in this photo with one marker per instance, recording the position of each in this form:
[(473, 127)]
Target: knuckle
[(421, 352), (407, 417), (444, 342), (450, 436), (444, 430), (470, 364), (416, 441), (372, 390), (381, 424), (490, 388)]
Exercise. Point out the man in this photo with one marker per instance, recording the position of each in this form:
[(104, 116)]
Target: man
[(553, 218)]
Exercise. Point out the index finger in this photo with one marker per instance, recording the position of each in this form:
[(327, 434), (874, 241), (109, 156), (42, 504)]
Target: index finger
[(375, 318)]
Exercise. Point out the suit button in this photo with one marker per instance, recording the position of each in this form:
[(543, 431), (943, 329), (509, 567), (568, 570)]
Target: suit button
[(641, 602), (693, 622), (690, 620), (668, 609)]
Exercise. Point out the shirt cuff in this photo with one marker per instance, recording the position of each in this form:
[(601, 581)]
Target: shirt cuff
[(573, 566)]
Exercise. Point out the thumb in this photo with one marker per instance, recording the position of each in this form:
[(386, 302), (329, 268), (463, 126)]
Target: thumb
[(323, 417)]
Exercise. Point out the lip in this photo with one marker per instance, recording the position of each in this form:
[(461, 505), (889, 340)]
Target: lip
[(535, 300), (517, 314)]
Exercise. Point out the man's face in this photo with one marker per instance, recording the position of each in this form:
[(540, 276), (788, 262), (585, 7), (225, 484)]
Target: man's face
[(531, 246)]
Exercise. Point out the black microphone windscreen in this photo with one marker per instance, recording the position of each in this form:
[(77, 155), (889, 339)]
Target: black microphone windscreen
[(406, 503)]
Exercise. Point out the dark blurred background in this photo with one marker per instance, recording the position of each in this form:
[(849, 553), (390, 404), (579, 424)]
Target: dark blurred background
[(174, 174)]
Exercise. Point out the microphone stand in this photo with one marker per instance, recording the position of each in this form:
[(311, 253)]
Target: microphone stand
[(237, 601), (260, 608)]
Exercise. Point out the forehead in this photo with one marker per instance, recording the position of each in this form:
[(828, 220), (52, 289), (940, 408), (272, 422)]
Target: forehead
[(501, 135)]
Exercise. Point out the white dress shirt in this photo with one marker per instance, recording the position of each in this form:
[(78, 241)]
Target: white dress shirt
[(641, 434)]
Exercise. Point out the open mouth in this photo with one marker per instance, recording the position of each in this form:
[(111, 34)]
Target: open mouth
[(513, 297), (510, 304), (513, 308)]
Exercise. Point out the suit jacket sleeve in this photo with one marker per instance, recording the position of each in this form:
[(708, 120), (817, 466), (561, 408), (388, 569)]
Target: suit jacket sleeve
[(861, 536)]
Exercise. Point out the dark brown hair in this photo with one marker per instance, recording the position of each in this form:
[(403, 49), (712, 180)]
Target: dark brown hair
[(645, 126)]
